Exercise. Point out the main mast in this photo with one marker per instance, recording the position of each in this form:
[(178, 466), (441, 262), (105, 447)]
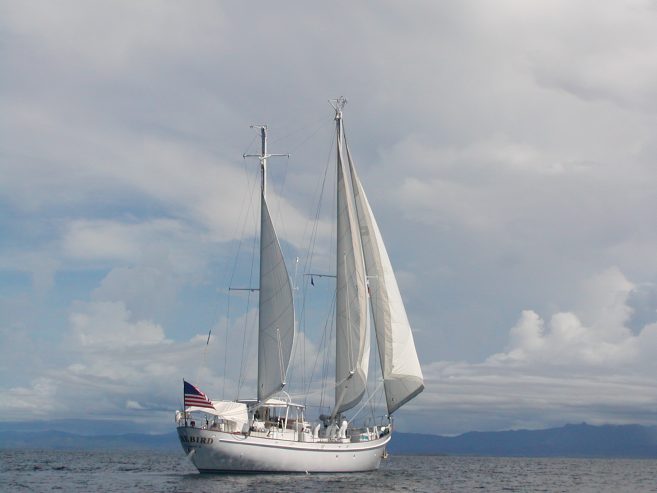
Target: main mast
[(352, 343)]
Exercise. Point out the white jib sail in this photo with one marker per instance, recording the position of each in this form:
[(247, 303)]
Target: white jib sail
[(276, 318), (352, 339), (402, 375)]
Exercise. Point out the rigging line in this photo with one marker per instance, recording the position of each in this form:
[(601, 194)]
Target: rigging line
[(321, 121), (299, 355), (333, 241), (279, 192), (323, 124), (331, 322), (280, 356), (223, 391), (251, 181), (293, 365), (251, 185), (225, 274), (312, 237), (376, 363), (205, 356), (241, 236), (369, 400), (243, 222), (320, 392), (334, 386), (287, 164), (308, 260), (250, 146), (242, 376), (327, 332), (379, 401), (323, 342), (366, 402), (319, 191), (280, 189), (350, 348), (247, 211), (331, 319)]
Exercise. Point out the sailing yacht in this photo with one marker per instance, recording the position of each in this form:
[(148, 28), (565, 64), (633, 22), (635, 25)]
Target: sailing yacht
[(272, 433)]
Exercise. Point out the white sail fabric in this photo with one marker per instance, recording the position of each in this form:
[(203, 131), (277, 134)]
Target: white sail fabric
[(352, 339), (276, 318), (402, 375)]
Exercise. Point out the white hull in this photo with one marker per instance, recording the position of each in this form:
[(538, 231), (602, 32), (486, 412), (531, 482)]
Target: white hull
[(216, 451)]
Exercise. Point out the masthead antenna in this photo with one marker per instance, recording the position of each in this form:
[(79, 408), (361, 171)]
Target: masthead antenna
[(338, 104)]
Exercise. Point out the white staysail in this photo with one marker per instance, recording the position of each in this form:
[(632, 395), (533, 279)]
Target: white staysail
[(352, 339), (402, 375), (276, 319)]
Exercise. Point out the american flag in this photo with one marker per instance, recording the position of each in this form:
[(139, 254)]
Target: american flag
[(194, 397)]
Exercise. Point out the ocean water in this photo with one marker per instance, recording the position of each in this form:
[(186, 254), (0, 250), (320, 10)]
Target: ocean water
[(115, 471)]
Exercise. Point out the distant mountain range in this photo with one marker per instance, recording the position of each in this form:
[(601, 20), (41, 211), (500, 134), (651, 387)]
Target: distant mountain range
[(62, 440), (580, 440), (632, 441)]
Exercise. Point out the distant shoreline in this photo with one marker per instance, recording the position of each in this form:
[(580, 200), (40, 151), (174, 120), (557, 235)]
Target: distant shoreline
[(574, 441)]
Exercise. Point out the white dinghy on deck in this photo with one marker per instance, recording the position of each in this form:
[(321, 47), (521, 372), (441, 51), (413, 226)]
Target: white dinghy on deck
[(272, 434)]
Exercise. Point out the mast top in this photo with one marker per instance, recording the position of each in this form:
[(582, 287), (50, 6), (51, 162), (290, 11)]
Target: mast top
[(338, 104), (263, 155)]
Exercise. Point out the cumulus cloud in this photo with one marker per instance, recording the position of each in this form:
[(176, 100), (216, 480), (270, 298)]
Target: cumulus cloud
[(583, 365), (112, 358), (36, 401), (117, 367), (106, 324)]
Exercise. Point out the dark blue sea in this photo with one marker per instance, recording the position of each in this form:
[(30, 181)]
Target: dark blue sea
[(23, 470)]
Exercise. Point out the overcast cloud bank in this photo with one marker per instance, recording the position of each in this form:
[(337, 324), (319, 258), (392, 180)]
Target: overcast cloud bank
[(508, 151)]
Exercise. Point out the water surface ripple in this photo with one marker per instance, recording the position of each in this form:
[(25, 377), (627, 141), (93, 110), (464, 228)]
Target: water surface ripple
[(115, 471)]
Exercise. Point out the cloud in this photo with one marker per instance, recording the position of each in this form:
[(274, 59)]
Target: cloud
[(117, 367), (133, 405), (37, 401), (145, 290), (161, 241), (582, 365), (599, 70), (106, 324), (510, 158), (113, 359)]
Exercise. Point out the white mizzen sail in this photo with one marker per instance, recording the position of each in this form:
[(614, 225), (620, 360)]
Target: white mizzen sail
[(352, 340), (402, 375), (276, 318)]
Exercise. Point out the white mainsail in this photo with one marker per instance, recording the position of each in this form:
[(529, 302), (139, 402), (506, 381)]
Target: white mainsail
[(402, 375), (352, 339), (276, 318)]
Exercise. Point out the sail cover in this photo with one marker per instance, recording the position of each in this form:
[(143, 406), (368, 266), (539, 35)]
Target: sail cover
[(352, 328), (402, 375), (276, 319)]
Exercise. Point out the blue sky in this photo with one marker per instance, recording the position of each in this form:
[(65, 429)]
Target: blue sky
[(508, 152)]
